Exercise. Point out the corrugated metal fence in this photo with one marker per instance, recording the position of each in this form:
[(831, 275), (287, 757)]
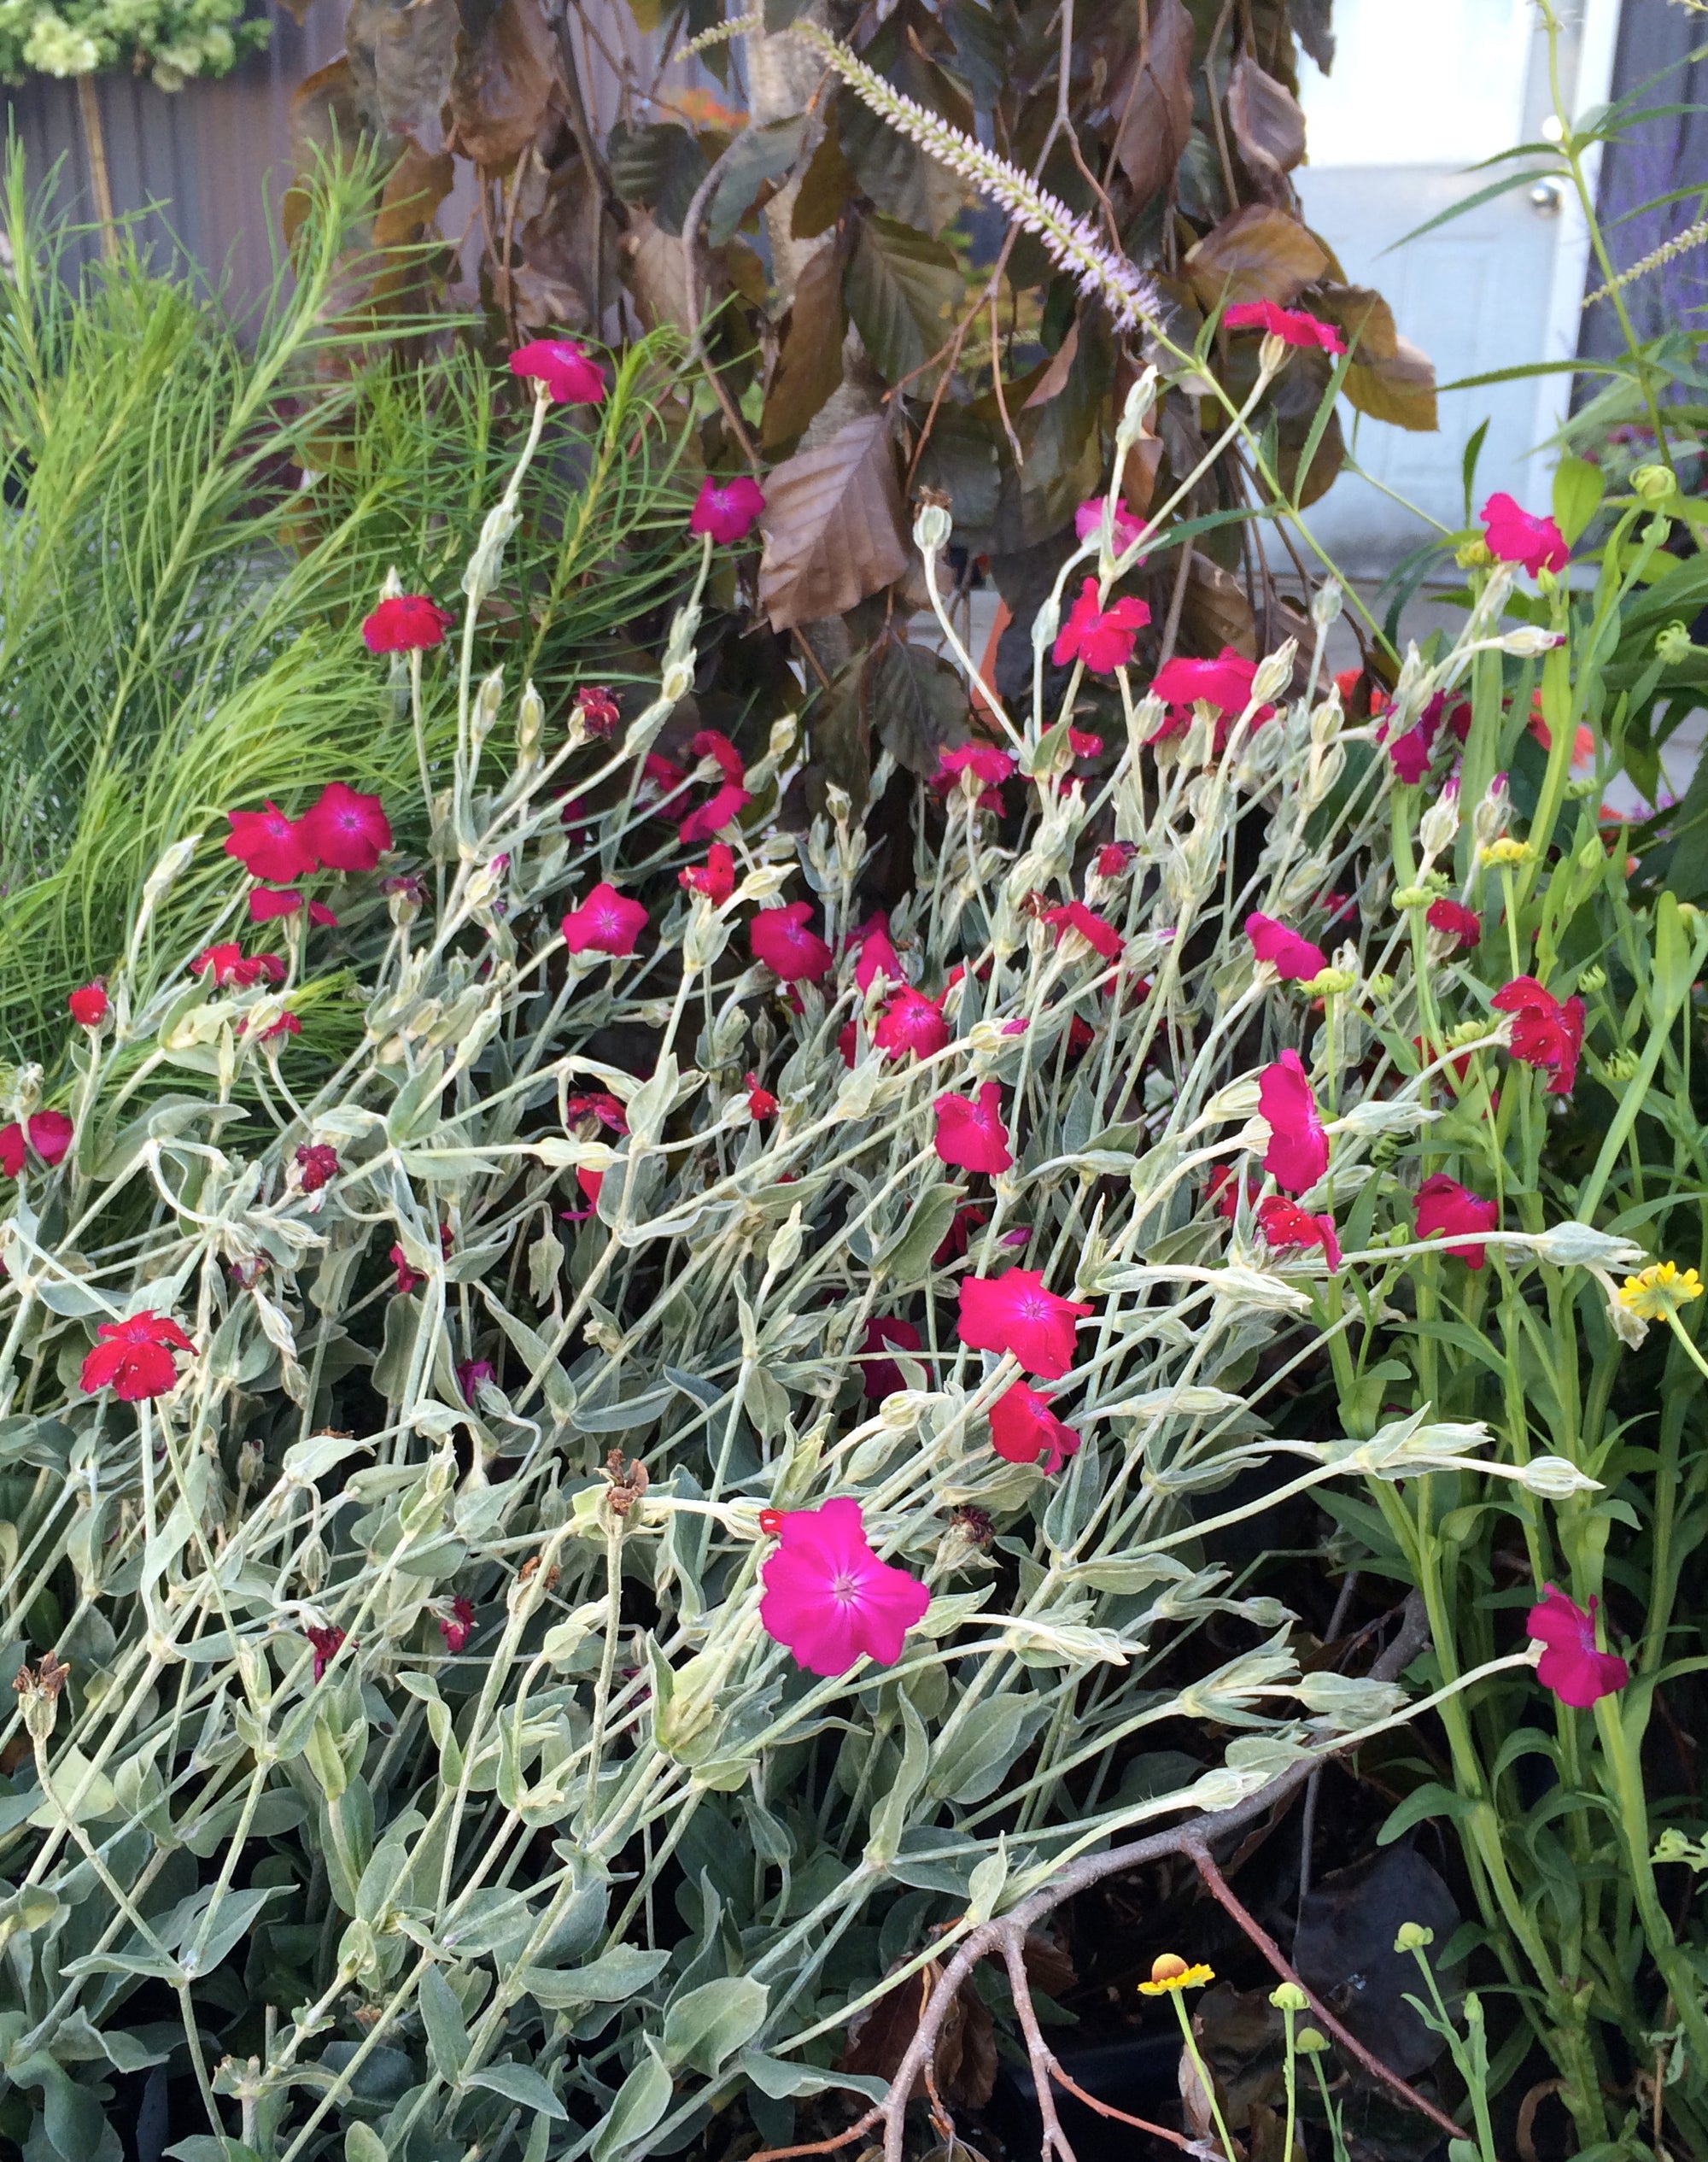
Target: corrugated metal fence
[(207, 163)]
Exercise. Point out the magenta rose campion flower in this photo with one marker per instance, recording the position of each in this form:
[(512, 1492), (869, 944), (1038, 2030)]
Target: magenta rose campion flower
[(1294, 958), (911, 1022), (133, 1358), (1284, 1226), (455, 1627), (1014, 1312), (347, 830), (89, 1003), (1454, 920), (45, 1135), (715, 877), (571, 376), (874, 953), (882, 1377), (970, 1132), (1547, 1033), (1292, 325), (1024, 1430), (1096, 931), (1088, 522), (727, 510), (270, 845), (604, 923), (1444, 1206), (1515, 537), (1298, 1151), (779, 938), (409, 623), (1102, 638), (1573, 1667), (829, 1598)]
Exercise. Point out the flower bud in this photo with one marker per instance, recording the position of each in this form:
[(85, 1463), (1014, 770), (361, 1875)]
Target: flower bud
[(1290, 1997), (1553, 1478), (1439, 824), (1414, 1937), (1506, 852), (1674, 645), (1491, 815), (530, 724), (678, 681), (1309, 2043), (1140, 401), (1652, 483), (1526, 641), (1380, 986), (1271, 353), (1412, 896), (932, 529), (1274, 673), (1471, 555), (1326, 603)]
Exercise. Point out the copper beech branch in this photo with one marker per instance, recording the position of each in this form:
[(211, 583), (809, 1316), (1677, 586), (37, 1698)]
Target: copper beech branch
[(1004, 1938)]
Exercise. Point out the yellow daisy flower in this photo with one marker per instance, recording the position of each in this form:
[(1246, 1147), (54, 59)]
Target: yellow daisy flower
[(1660, 1290), (1170, 1972)]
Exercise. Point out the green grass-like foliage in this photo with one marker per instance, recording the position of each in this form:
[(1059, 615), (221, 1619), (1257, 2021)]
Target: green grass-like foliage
[(179, 618)]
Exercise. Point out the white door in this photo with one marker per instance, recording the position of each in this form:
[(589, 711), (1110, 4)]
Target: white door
[(1416, 95)]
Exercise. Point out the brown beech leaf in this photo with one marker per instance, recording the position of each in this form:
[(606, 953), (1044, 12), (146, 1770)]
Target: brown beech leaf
[(1268, 128), (1400, 390), (810, 364), (1054, 380), (552, 285), (827, 186), (1259, 253), (1156, 120), (503, 83), (402, 58), (835, 529), (965, 2058), (1364, 318), (1217, 612)]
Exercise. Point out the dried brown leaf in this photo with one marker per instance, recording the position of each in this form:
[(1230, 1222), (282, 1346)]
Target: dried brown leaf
[(560, 209), (503, 83), (964, 2062), (1268, 128), (401, 59), (655, 268), (810, 364), (1156, 121), (826, 188), (1054, 380), (1364, 318), (1216, 612), (1400, 390), (834, 526), (1259, 253)]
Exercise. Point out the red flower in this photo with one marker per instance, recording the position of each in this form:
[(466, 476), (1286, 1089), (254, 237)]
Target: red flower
[(570, 377), (133, 1358), (1113, 858), (1298, 1151), (348, 831), (231, 968), (1455, 920), (779, 938), (455, 1627), (326, 1644), (1444, 1205), (1290, 324), (471, 1372), (1074, 916), (1572, 1666), (1102, 638), (911, 1022), (288, 1024), (49, 1136), (761, 1103), (1083, 744), (829, 1598), (1088, 522), (317, 1166), (1546, 1033), (770, 1522), (406, 624), (407, 1278), (270, 845), (715, 878), (1224, 682), (1224, 1190), (1411, 753), (659, 777), (1515, 537), (592, 1184), (966, 1219), (264, 905), (875, 954), (983, 760), (720, 808), (727, 510), (1294, 958), (89, 1003), (598, 709), (599, 1105), (605, 923), (1284, 1224), (1014, 1312), (971, 1133), (882, 1377), (1024, 1429)]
